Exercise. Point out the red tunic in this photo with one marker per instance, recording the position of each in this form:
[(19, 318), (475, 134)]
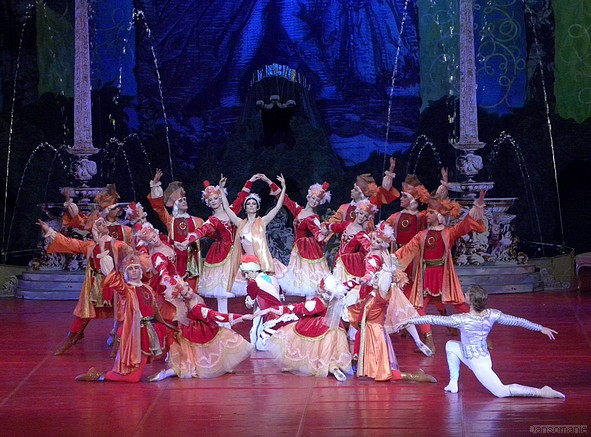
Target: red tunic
[(203, 325), (179, 228), (428, 241), (405, 227), (265, 293)]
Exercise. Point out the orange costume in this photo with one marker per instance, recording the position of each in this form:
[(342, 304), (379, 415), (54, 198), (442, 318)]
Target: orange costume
[(105, 201), (143, 332), (436, 276), (90, 302)]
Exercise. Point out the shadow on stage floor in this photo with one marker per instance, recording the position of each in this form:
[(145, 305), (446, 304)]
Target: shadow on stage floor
[(39, 396)]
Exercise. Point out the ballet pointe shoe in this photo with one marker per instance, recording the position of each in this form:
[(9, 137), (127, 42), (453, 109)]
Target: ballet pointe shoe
[(419, 376), (157, 376), (70, 341), (91, 375), (339, 375), (550, 393), (428, 340)]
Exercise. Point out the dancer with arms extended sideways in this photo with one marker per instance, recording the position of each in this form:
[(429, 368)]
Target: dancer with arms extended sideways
[(472, 350)]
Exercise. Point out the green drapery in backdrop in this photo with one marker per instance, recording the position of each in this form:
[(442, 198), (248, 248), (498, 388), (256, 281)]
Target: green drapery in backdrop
[(55, 52), (439, 49), (572, 84)]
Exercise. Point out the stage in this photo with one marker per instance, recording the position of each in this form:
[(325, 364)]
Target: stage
[(39, 396)]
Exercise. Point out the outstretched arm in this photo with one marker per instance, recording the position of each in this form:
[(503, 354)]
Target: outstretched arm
[(508, 320), (233, 217), (434, 320), (271, 214)]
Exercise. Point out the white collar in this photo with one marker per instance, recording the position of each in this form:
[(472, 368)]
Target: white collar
[(183, 215), (436, 228), (410, 211), (355, 203)]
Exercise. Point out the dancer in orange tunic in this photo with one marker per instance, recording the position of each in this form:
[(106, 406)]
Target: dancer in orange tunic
[(104, 254), (382, 304), (436, 277), (143, 331)]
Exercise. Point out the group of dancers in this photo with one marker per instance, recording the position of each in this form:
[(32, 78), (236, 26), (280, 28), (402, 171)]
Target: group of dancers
[(383, 278)]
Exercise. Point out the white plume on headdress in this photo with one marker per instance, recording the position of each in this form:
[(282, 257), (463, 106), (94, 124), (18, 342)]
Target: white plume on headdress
[(319, 191), (334, 292)]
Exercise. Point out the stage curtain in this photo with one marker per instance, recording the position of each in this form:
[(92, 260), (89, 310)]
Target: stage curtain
[(572, 86)]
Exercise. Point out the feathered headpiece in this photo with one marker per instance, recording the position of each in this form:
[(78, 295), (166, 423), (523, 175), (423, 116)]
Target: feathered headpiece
[(108, 197), (413, 187), (135, 212), (367, 184), (367, 207), (210, 190), (320, 191), (254, 196), (384, 231)]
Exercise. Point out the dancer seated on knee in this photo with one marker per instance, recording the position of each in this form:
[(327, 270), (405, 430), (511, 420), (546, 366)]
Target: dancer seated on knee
[(143, 331), (202, 348), (474, 328), (315, 345), (263, 292)]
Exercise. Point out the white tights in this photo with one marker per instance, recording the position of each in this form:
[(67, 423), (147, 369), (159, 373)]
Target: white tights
[(482, 369)]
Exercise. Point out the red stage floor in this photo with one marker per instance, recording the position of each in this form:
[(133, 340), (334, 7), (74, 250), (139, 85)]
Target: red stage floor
[(39, 396)]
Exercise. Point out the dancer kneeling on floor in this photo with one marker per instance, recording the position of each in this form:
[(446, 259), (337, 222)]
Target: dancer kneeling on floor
[(474, 328), (143, 331), (202, 348), (315, 345)]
